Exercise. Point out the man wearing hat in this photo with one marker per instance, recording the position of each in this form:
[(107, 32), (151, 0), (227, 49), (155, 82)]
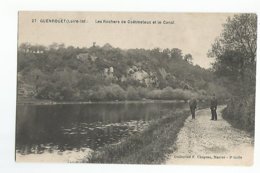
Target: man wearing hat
[(213, 107)]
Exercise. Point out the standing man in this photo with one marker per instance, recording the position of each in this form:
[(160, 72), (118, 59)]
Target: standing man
[(213, 107), (193, 106)]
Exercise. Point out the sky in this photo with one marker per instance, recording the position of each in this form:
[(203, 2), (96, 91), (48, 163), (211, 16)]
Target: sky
[(193, 33)]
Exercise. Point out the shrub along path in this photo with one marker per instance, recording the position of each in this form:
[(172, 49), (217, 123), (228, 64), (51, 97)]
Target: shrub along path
[(202, 141)]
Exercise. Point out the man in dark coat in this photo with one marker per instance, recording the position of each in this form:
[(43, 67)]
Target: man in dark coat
[(213, 107), (193, 106)]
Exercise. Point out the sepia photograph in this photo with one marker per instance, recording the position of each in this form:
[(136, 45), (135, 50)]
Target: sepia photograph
[(136, 88)]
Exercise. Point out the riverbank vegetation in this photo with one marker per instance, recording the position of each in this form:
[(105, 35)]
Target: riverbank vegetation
[(149, 147), (104, 73), (235, 55)]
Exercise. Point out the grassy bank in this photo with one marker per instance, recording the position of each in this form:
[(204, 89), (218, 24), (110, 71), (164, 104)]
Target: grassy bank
[(149, 147), (240, 113)]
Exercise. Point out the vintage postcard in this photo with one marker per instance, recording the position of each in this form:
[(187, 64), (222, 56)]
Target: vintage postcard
[(136, 88)]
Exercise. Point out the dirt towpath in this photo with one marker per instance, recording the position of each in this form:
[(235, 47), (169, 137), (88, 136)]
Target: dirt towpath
[(203, 141)]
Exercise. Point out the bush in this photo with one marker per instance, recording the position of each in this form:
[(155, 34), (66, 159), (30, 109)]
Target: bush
[(97, 95), (167, 93), (142, 92), (155, 94), (113, 92), (171, 94), (240, 112), (202, 95), (132, 94), (221, 92), (179, 94)]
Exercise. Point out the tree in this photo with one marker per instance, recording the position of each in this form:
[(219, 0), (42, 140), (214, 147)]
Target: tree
[(239, 35), (54, 46), (166, 52), (235, 51), (188, 58), (24, 47), (176, 53)]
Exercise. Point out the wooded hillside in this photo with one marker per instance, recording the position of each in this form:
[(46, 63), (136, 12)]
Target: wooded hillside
[(104, 73)]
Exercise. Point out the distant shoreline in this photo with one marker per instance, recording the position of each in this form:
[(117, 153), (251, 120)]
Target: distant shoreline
[(45, 102)]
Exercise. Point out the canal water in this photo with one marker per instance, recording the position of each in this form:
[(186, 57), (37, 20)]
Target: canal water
[(69, 132)]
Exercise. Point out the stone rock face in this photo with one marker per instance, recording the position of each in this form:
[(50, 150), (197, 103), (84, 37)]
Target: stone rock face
[(142, 76), (109, 72)]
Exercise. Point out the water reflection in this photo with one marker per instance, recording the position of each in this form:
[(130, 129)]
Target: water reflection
[(59, 128)]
